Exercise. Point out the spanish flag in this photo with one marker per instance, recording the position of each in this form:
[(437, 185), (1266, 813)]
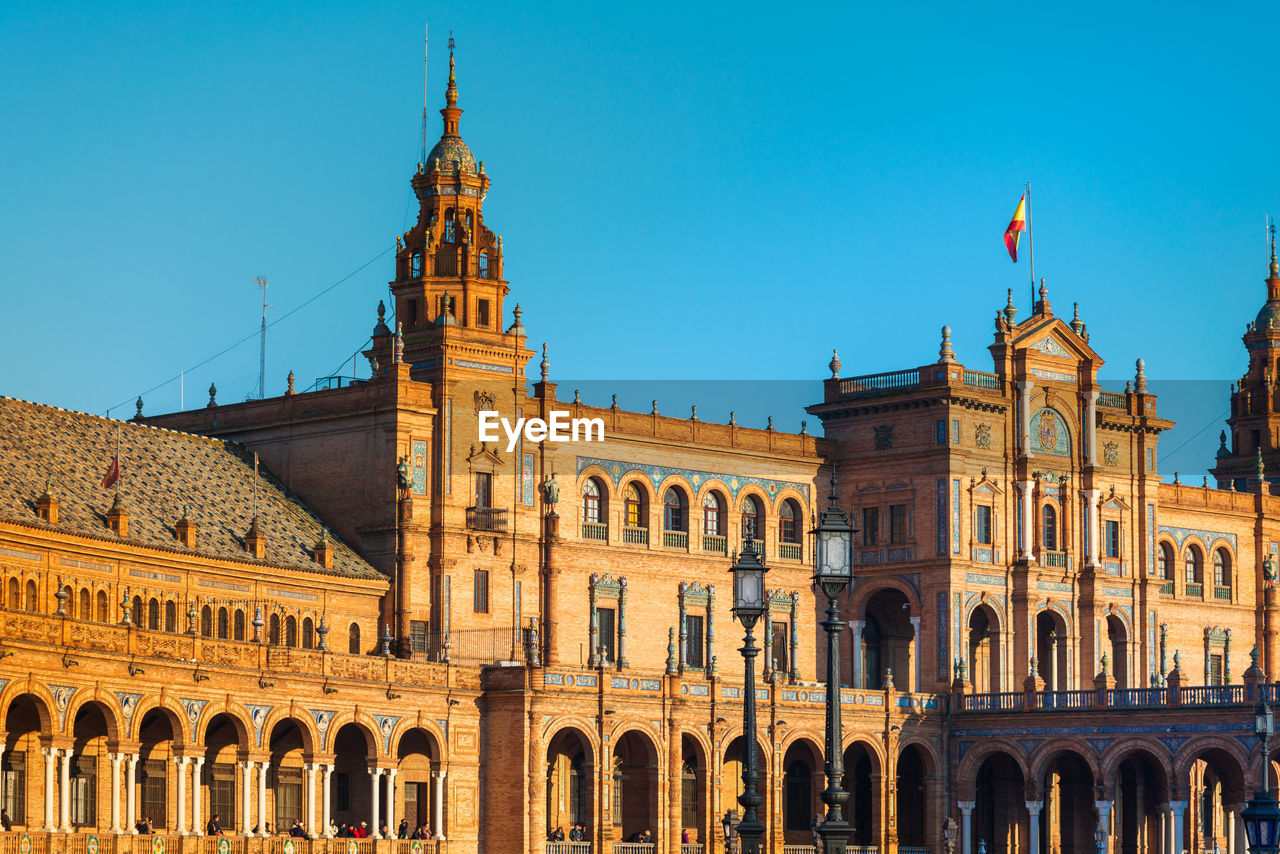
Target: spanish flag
[(1017, 225)]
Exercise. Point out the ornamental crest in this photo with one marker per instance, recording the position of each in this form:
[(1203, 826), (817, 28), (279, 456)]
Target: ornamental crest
[(484, 400), (194, 708), (1111, 454), (386, 725), (884, 438), (982, 435), (62, 695), (323, 717), (259, 716)]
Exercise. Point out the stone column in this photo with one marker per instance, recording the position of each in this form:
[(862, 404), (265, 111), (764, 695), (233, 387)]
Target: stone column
[(855, 653), (1230, 821), (1091, 419), (1162, 828), (391, 801), (1238, 837), (311, 799), (262, 796), (197, 817), (64, 792), (966, 826), (375, 779), (116, 759), (326, 818), (916, 652), (1033, 809), (182, 762), (437, 803), (1178, 808), (246, 798), (1028, 520), (130, 796), (50, 762)]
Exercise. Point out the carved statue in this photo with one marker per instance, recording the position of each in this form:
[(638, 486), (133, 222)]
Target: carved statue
[(403, 477), (1269, 571), (551, 492)]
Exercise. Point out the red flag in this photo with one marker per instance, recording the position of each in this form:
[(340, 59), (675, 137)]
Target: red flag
[(113, 473)]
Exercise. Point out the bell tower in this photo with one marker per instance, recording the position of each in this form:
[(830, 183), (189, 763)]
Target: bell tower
[(450, 262), (1250, 448)]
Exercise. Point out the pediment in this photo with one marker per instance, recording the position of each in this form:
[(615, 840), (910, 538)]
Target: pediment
[(1051, 337)]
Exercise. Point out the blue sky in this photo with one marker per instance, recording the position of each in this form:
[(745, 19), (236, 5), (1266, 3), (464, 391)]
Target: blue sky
[(685, 191)]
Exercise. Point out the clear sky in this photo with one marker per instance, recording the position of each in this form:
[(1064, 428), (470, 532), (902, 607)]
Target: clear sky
[(686, 191)]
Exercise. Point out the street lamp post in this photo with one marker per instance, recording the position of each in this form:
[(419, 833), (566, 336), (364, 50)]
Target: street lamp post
[(748, 607), (832, 572), (1261, 816)]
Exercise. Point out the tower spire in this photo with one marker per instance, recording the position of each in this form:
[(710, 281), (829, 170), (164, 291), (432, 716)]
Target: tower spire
[(1273, 280), (451, 112)]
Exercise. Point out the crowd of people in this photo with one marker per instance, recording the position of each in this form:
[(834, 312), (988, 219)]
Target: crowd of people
[(578, 833)]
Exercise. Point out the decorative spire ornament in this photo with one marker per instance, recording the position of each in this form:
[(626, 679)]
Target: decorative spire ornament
[(834, 364), (545, 365), (945, 354), (397, 346)]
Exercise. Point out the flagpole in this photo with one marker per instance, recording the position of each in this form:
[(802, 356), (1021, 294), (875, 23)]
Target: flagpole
[(1031, 247), (119, 469)]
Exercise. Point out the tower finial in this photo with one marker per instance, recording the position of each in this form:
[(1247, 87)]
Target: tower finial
[(545, 364), (451, 112), (1010, 310), (1077, 325), (1275, 268), (945, 353)]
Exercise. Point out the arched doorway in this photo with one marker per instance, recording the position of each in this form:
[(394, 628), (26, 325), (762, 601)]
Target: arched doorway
[(1052, 645), (984, 650), (634, 805), (351, 798), (570, 771), (224, 745), (693, 787), (156, 733), (285, 777), (731, 777), (913, 798), (1141, 787), (1068, 818), (861, 781), (802, 780), (419, 769), (888, 638), (88, 757), (23, 763), (1000, 807), (1118, 638), (1216, 786)]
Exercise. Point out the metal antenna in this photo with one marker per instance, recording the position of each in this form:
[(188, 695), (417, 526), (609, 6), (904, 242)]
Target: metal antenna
[(425, 42), (262, 345)]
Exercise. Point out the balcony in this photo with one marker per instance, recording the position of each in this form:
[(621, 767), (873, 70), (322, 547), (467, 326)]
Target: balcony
[(1195, 591), (635, 536), (1166, 588), (1222, 593), (790, 551), (487, 519), (568, 848), (715, 544), (1052, 558), (597, 531), (675, 540)]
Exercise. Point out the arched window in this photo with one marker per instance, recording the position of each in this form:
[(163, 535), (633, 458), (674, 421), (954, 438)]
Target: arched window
[(673, 506), (102, 606), (224, 627), (712, 514), (1221, 568), (752, 519), (416, 265), (1164, 561), (633, 505), (15, 593), (31, 594), (139, 619), (85, 612), (450, 227), (291, 631), (591, 501), (239, 627), (789, 522), (1193, 565), (273, 630), (206, 621), (308, 633), (484, 265), (1049, 528), (153, 615), (71, 601), (353, 639), (170, 616)]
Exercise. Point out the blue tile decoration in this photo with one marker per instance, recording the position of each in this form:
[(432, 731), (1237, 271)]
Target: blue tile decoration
[(727, 691), (977, 578), (1151, 539), (62, 695), (526, 479), (650, 685), (1054, 586), (258, 714), (818, 696), (791, 695), (618, 469), (1206, 537), (128, 704), (955, 516), (1049, 433), (419, 461), (1122, 592), (1050, 347), (762, 693), (699, 690), (940, 615), (584, 680), (386, 726), (617, 682), (323, 717), (1052, 375), (942, 515), (194, 708), (553, 678), (483, 366)]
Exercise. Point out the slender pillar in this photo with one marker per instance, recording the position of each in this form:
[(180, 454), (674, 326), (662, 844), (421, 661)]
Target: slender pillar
[(1162, 828), (130, 793), (182, 762), (966, 826), (116, 759), (1237, 830), (375, 779), (311, 799), (64, 791), (437, 803), (324, 800), (50, 765), (1024, 393), (197, 816), (1028, 520), (855, 671), (916, 652), (246, 798), (1033, 809), (391, 801), (1091, 422), (262, 797), (1230, 821), (1178, 808)]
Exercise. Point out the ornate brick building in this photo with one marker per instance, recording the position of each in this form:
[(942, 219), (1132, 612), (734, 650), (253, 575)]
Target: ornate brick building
[(404, 620)]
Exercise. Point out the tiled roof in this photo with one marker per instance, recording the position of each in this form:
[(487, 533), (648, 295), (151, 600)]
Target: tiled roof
[(163, 470)]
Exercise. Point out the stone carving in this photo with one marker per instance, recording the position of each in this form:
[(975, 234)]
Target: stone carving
[(982, 435)]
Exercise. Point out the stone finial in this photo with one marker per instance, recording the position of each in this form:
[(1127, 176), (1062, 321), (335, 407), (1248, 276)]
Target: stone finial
[(118, 517), (213, 396), (1043, 305), (614, 405), (1035, 666), (255, 542), (1010, 310), (1106, 662), (545, 365), (693, 412), (386, 640), (1140, 379), (322, 635), (577, 397), (834, 364), (516, 327), (397, 346), (47, 505), (323, 552), (769, 426), (804, 428), (1175, 479), (1076, 325), (258, 623), (185, 529), (380, 328), (733, 418), (654, 410), (1206, 482), (191, 616), (139, 405), (671, 652), (62, 596), (888, 679), (289, 392), (945, 354)]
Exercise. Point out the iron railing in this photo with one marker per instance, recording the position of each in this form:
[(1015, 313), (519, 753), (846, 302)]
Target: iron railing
[(487, 519)]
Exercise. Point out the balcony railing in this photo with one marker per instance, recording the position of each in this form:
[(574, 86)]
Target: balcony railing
[(1003, 702), (634, 847), (1135, 698), (799, 849), (1067, 699), (675, 540), (487, 519), (635, 536), (597, 531), (1166, 588), (568, 848), (690, 848), (790, 551), (105, 842), (1113, 400), (914, 849), (1223, 593), (1211, 695), (979, 379), (1058, 559), (880, 382), (1195, 591), (715, 544)]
